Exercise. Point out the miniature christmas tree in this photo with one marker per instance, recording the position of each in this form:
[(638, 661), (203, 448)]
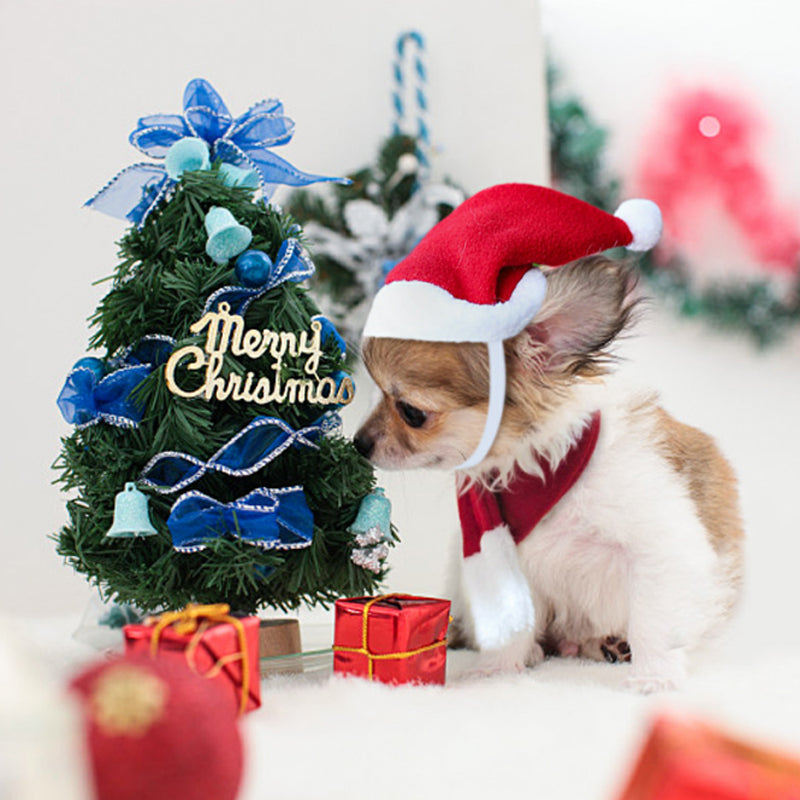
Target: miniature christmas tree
[(212, 396)]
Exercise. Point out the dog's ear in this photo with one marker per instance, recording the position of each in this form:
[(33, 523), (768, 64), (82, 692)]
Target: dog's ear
[(587, 305)]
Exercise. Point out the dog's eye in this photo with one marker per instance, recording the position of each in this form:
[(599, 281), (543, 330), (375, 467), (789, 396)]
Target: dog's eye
[(413, 417)]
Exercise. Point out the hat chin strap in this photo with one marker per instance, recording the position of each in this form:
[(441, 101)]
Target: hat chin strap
[(497, 399)]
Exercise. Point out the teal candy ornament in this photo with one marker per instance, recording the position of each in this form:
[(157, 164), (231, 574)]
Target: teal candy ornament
[(131, 515), (232, 175), (226, 237), (373, 521), (253, 268), (187, 155)]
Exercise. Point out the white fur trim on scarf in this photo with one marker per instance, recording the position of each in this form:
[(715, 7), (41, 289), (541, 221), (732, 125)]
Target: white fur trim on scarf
[(496, 590), (643, 218), (425, 312)]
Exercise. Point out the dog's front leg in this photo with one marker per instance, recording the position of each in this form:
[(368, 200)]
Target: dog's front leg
[(521, 651), (664, 600)]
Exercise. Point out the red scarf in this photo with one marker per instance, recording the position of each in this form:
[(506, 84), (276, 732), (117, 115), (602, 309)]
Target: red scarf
[(528, 498)]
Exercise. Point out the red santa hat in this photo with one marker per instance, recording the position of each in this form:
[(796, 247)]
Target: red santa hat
[(474, 276)]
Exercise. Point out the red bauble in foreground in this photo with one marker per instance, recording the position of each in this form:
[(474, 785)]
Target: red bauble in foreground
[(685, 759), (155, 730)]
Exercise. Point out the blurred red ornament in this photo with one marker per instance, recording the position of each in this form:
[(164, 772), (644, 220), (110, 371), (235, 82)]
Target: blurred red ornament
[(701, 164), (685, 759), (155, 730)]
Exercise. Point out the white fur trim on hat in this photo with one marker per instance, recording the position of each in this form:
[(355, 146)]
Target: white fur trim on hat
[(425, 312), (497, 592), (643, 218)]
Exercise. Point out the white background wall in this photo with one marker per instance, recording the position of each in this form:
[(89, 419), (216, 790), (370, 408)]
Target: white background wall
[(77, 75)]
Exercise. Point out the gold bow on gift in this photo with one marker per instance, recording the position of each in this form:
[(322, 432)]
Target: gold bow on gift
[(197, 619)]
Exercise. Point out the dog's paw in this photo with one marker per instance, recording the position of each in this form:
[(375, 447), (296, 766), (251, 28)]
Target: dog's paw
[(523, 651), (489, 667), (613, 649), (535, 655), (664, 674), (650, 684)]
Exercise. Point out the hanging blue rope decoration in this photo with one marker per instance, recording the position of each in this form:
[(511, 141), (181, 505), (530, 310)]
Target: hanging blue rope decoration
[(259, 443)]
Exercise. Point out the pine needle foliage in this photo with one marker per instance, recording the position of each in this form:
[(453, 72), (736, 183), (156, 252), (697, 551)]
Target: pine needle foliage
[(160, 286), (382, 183)]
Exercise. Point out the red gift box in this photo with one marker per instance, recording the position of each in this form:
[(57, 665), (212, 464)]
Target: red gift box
[(688, 760), (394, 638), (211, 643)]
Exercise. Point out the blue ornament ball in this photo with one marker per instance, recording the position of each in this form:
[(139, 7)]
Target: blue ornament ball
[(91, 363), (253, 268)]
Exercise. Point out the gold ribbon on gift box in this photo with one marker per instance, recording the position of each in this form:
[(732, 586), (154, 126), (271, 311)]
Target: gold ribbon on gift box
[(364, 649), (197, 619)]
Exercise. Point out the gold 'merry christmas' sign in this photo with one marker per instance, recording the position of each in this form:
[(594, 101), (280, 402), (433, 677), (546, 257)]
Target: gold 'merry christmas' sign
[(226, 332)]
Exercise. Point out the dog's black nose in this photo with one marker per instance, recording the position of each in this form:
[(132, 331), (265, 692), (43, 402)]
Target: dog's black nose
[(364, 443)]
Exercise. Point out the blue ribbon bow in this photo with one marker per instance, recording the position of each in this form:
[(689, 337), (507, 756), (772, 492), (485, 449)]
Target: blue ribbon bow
[(88, 397), (256, 445), (292, 264), (84, 400), (272, 519), (243, 142)]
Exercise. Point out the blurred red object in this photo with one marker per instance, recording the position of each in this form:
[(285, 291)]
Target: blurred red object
[(156, 730), (701, 160), (685, 759)]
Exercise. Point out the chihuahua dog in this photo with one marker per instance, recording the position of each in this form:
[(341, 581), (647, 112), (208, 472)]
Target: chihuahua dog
[(641, 558)]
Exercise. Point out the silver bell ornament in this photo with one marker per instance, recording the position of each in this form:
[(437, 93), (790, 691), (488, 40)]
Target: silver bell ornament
[(373, 521), (226, 237), (131, 515)]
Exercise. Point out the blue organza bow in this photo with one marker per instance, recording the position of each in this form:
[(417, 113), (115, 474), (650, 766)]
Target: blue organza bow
[(243, 142), (328, 330), (153, 350), (292, 265), (273, 519), (85, 400), (89, 397), (256, 445)]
